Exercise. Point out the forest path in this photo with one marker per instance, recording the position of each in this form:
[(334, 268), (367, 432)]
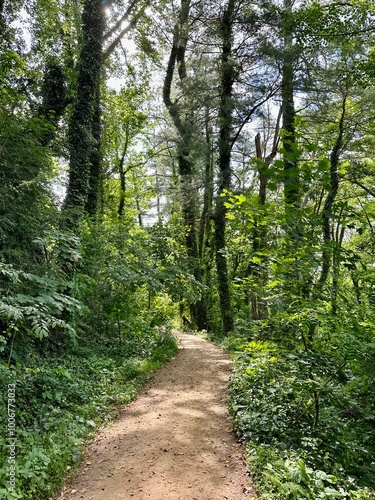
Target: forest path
[(174, 442)]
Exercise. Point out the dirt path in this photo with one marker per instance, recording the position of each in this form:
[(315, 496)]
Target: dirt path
[(174, 441)]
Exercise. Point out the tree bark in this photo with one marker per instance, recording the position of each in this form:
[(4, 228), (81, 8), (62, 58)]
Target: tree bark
[(54, 100), (122, 173), (336, 260), (205, 228), (84, 113), (258, 309), (186, 169), (291, 177), (259, 235), (330, 199), (208, 195), (225, 173), (95, 180)]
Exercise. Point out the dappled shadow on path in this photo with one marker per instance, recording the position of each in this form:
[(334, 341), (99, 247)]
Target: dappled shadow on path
[(174, 441)]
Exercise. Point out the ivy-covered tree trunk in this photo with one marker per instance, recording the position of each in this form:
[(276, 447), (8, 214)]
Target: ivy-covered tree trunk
[(83, 131), (291, 177), (225, 124), (54, 100), (184, 125), (293, 234), (328, 252), (95, 180)]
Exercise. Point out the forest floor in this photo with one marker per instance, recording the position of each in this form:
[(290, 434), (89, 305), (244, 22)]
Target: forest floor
[(174, 442)]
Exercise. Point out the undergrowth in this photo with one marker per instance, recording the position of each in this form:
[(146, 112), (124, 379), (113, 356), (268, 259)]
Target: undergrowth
[(306, 419), (62, 399)]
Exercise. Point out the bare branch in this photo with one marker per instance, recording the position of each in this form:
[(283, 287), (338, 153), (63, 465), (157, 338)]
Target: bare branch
[(122, 19), (110, 49), (250, 114)]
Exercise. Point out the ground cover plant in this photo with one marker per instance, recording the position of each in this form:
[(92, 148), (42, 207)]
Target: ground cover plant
[(306, 418), (64, 398)]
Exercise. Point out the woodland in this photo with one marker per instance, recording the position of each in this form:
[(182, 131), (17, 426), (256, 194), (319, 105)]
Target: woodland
[(207, 165)]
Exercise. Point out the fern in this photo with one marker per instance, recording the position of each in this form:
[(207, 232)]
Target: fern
[(33, 305)]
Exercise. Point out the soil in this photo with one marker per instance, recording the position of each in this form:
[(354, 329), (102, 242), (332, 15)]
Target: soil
[(174, 442)]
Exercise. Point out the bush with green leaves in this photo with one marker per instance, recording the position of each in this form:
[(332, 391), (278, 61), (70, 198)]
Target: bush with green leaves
[(31, 308), (138, 278), (306, 418), (284, 475)]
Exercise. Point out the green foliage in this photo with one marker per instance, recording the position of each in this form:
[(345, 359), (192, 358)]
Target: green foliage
[(84, 315), (306, 417), (32, 307), (25, 164), (136, 277), (301, 392), (283, 475)]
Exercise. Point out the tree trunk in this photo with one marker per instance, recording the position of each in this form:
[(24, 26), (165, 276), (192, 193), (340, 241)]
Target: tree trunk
[(291, 177), (122, 173), (225, 173), (95, 180), (2, 20), (205, 228), (54, 100), (330, 199), (336, 260), (259, 235), (327, 251), (82, 142), (185, 166), (258, 309), (208, 195)]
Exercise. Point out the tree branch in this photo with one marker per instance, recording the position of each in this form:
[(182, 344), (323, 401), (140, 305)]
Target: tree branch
[(122, 19), (249, 116), (110, 49), (368, 190)]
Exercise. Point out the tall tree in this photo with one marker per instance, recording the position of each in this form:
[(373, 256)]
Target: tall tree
[(84, 116), (228, 73), (184, 124), (291, 175)]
